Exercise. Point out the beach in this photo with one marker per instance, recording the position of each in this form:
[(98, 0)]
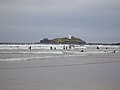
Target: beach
[(22, 69), (59, 44)]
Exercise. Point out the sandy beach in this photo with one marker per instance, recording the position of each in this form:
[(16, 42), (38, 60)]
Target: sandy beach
[(59, 44), (72, 72)]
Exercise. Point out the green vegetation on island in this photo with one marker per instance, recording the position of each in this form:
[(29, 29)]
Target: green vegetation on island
[(65, 40)]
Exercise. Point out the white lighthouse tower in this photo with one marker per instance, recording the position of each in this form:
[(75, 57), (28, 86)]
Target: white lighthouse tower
[(69, 36)]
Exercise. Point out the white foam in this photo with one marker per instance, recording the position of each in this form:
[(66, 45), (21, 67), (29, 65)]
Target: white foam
[(22, 50), (34, 46), (37, 58)]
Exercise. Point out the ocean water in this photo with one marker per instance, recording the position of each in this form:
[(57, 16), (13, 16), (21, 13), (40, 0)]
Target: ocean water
[(45, 69), (22, 52)]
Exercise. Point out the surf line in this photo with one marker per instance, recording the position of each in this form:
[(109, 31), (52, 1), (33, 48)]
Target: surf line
[(66, 65)]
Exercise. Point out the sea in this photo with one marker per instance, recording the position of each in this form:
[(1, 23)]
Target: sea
[(82, 67)]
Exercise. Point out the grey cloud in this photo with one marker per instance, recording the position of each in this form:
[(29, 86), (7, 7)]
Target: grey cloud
[(54, 18)]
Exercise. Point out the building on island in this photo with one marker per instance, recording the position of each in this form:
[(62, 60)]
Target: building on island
[(69, 36)]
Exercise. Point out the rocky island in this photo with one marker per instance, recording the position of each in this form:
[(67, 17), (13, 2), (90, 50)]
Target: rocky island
[(66, 40)]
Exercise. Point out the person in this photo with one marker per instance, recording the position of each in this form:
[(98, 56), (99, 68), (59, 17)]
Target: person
[(69, 46), (55, 48), (30, 48), (66, 47), (114, 51), (82, 50), (63, 47), (97, 47), (51, 48)]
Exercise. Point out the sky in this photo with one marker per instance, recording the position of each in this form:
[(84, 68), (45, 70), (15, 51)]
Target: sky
[(33, 20)]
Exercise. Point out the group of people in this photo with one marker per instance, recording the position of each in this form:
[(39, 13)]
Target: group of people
[(106, 49), (65, 47)]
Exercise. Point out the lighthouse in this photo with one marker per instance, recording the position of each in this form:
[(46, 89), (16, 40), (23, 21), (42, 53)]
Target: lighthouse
[(69, 36)]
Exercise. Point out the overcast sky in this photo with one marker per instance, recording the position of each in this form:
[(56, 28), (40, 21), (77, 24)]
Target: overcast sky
[(32, 20)]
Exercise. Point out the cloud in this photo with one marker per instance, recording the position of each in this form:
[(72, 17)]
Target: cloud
[(57, 6), (84, 18)]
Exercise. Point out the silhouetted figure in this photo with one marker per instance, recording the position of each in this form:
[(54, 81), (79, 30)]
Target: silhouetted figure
[(82, 50), (69, 46), (63, 47), (66, 47), (30, 48), (55, 48), (97, 47), (114, 51), (51, 48), (106, 48)]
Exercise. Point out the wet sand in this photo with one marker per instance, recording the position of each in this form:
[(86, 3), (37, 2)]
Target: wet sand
[(92, 72)]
